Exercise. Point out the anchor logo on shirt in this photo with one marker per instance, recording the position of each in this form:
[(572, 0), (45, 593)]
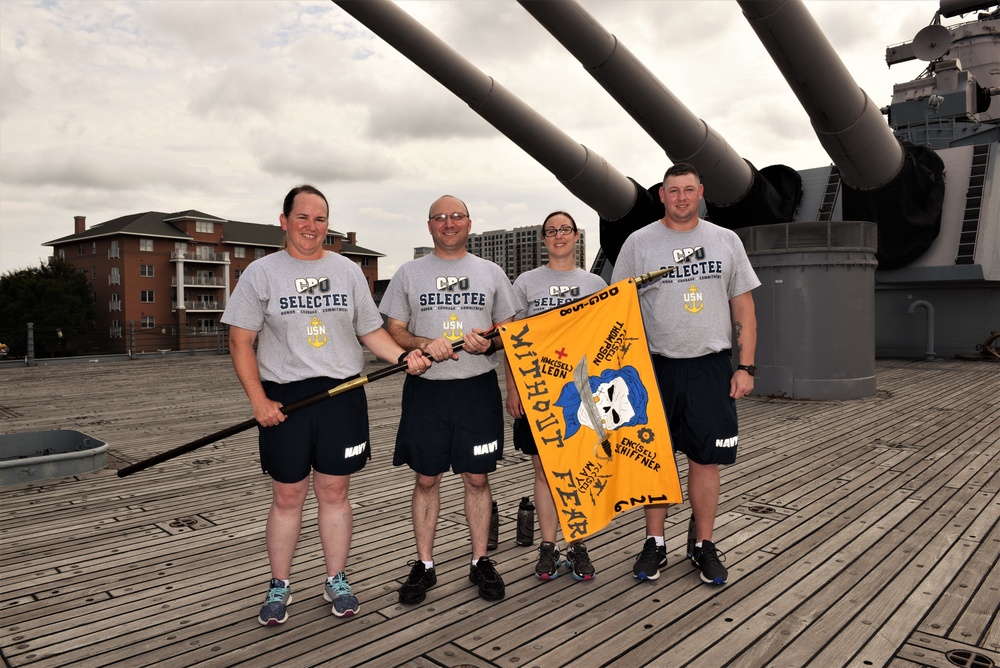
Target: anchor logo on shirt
[(316, 333), (453, 328), (693, 301)]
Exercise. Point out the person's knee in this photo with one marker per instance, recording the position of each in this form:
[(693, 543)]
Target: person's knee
[(702, 469), (289, 496), (540, 474), (427, 484), (331, 489), (476, 482)]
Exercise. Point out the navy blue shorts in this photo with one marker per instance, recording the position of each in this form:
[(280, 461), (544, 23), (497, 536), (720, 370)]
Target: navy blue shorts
[(700, 412), (456, 424), (524, 440), (331, 436)]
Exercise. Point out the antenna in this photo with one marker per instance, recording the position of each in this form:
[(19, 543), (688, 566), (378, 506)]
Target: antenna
[(932, 42)]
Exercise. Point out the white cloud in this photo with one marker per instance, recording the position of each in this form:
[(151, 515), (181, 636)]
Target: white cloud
[(112, 107)]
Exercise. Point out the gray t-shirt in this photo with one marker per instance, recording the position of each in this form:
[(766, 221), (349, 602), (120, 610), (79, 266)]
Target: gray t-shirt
[(544, 288), (448, 298), (309, 315), (686, 313)]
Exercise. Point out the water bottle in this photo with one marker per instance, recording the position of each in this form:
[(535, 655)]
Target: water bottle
[(494, 538), (525, 522)]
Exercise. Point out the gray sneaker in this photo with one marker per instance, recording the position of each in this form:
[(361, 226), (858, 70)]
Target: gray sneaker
[(275, 610), (338, 592)]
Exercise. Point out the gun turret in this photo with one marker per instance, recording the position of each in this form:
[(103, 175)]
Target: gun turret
[(899, 187)]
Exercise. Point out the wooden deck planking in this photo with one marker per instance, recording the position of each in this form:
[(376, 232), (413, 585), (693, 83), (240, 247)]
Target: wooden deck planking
[(616, 634), (880, 563), (849, 483), (882, 575), (759, 589), (966, 610), (781, 608)]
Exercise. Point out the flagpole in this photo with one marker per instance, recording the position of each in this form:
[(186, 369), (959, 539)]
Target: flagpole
[(652, 275), (287, 410)]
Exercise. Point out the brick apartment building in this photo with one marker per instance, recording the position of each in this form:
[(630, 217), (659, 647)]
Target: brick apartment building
[(518, 250), (170, 274)]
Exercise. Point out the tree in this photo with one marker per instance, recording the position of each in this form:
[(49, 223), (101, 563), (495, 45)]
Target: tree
[(54, 296)]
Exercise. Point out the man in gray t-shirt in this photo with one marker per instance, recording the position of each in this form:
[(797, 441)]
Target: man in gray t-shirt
[(690, 316), (452, 417)]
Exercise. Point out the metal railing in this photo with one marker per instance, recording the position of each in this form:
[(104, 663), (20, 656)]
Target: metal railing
[(203, 331), (138, 340), (199, 256), (209, 281), (201, 306)]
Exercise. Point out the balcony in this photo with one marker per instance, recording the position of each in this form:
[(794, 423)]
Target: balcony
[(203, 331), (201, 306), (200, 256), (115, 305), (200, 281)]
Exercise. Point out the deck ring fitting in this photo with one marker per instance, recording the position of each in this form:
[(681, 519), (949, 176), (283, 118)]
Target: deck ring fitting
[(967, 659)]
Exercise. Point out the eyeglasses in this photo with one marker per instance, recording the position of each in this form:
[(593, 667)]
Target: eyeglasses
[(562, 231), (455, 215)]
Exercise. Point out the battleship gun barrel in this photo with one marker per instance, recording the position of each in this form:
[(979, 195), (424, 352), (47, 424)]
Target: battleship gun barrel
[(585, 174), (736, 193), (849, 125), (899, 187), (682, 135)]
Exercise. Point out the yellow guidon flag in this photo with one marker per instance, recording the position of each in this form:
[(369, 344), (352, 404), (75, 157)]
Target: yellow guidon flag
[(589, 392)]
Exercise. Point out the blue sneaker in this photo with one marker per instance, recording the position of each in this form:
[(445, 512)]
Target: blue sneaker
[(338, 592), (275, 610)]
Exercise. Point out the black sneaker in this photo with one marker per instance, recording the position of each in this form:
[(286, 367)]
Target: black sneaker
[(420, 579), (578, 560), (707, 560), (547, 567), (650, 561), (484, 575)]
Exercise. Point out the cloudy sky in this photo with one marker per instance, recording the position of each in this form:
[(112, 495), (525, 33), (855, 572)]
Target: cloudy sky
[(113, 108)]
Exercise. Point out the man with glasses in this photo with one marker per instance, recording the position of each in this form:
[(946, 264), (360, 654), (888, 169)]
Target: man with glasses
[(453, 416)]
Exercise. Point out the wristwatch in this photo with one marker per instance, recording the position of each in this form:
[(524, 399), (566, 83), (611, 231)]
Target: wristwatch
[(749, 368)]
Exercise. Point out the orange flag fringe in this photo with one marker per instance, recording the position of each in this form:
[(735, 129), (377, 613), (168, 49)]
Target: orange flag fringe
[(589, 392)]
